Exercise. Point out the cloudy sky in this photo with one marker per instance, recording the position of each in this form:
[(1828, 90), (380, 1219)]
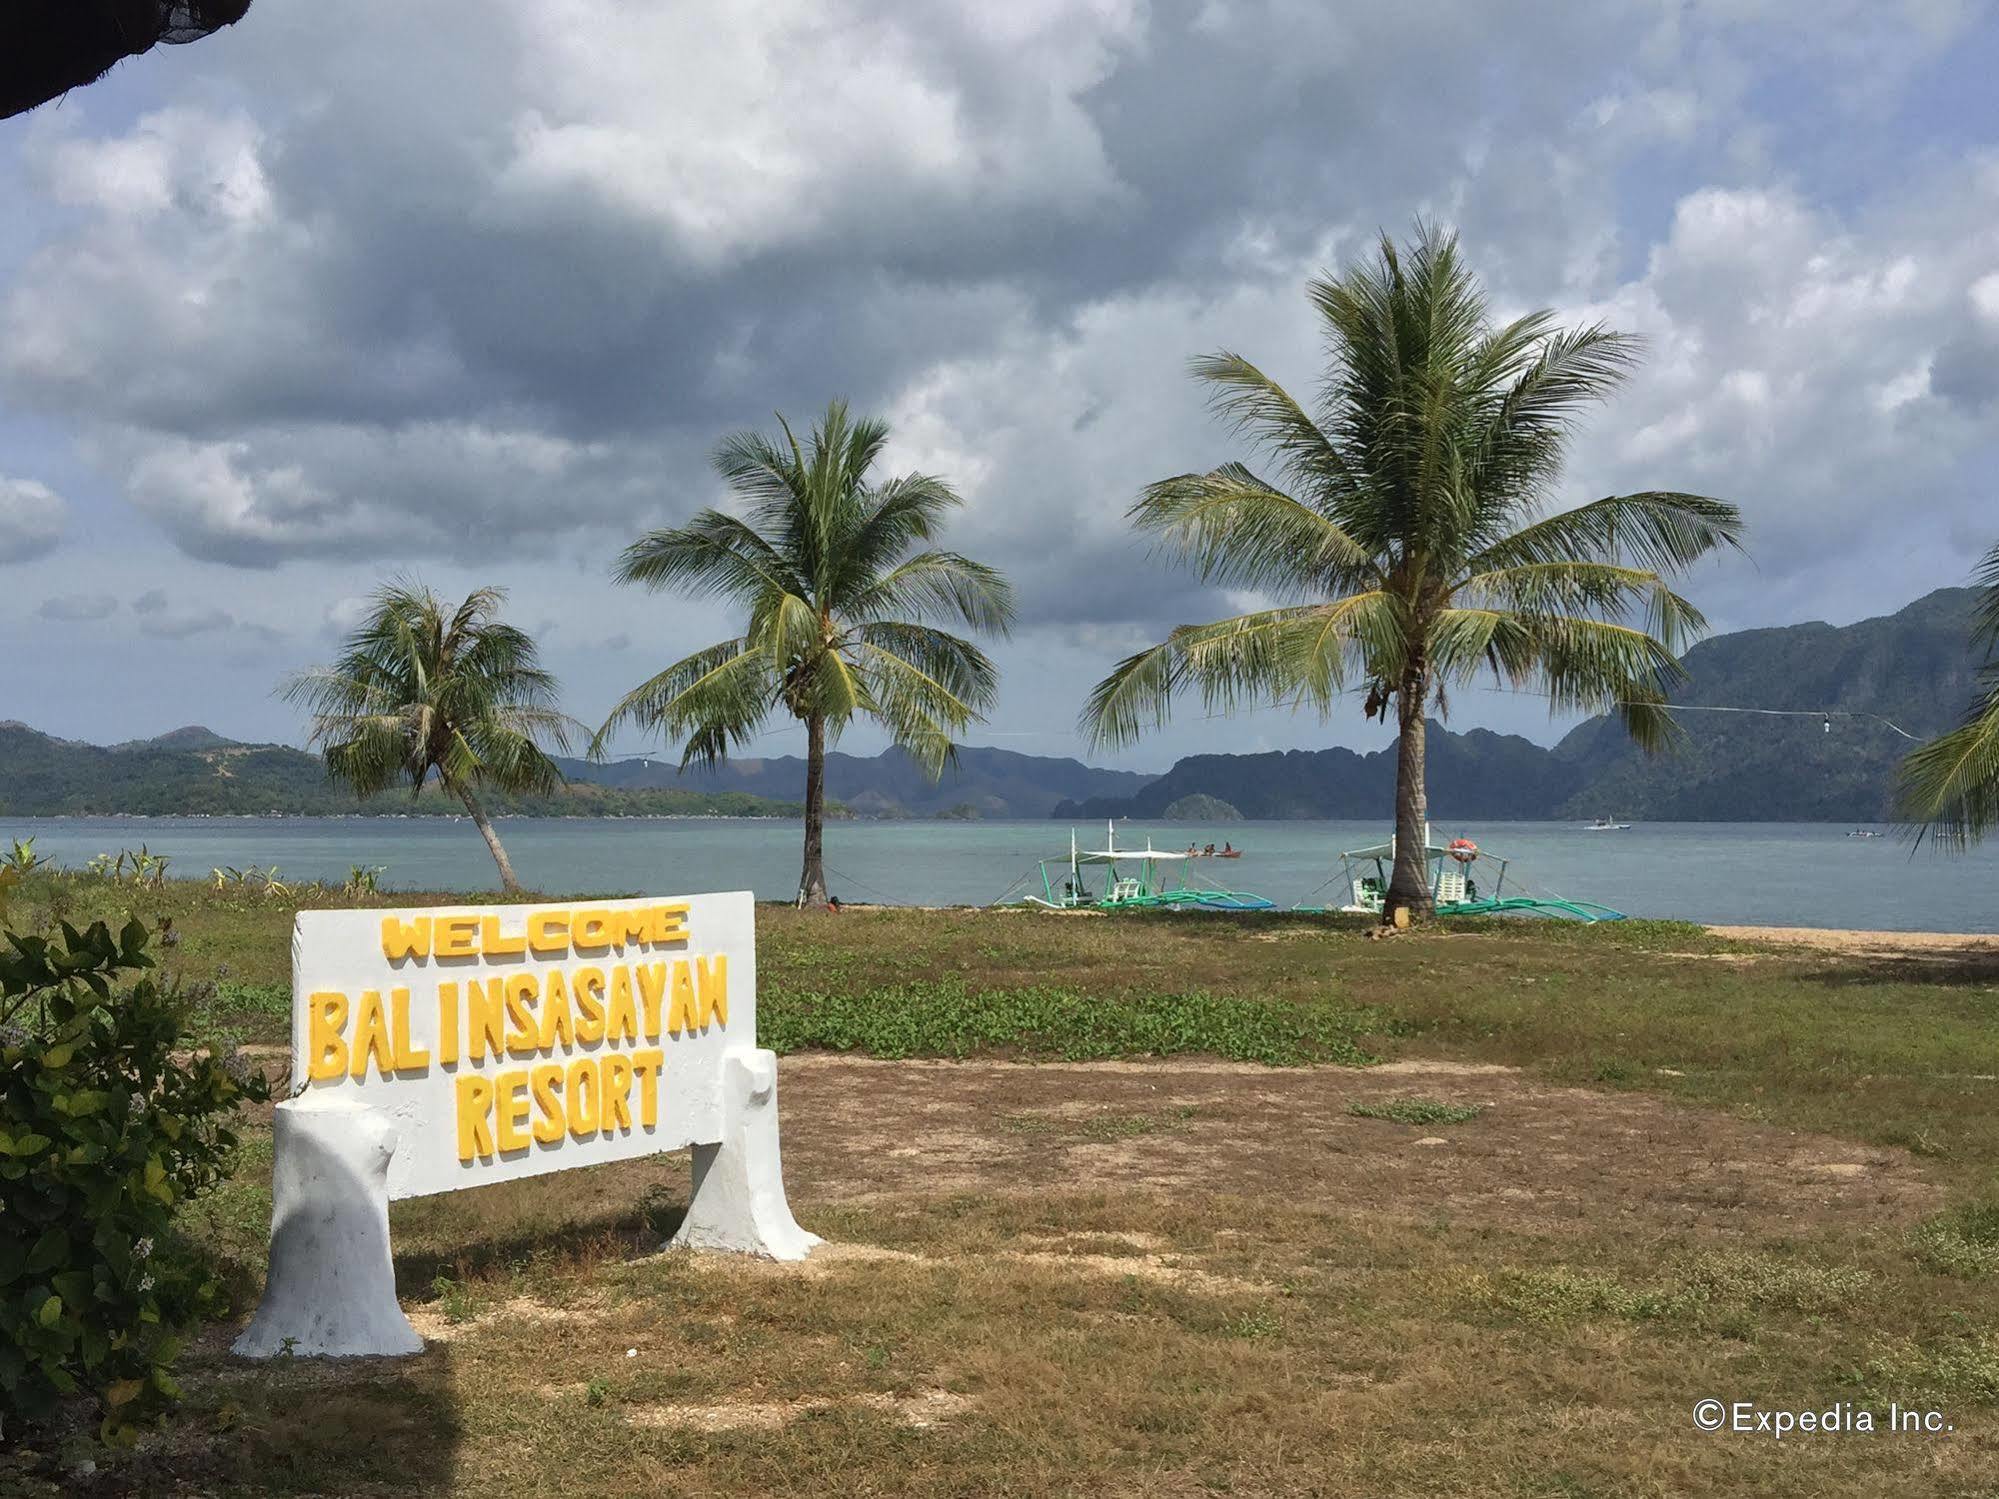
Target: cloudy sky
[(469, 288)]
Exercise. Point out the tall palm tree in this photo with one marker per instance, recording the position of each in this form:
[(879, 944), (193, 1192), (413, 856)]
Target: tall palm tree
[(1951, 784), (423, 689), (838, 608), (1404, 544)]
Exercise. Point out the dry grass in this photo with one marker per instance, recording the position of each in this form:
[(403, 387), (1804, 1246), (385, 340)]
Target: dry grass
[(1170, 1276)]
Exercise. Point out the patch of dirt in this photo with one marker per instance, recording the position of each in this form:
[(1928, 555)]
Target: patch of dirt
[(920, 1411), (1539, 1157), (434, 1327)]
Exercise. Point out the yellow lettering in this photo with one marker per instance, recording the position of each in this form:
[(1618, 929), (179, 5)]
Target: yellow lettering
[(713, 974), (617, 1092), (646, 1065), (408, 1058), (475, 1116), (447, 1023), (456, 936), (548, 932), (371, 1037), (589, 986), (400, 941), (590, 928), (584, 1091), (546, 1083), (671, 924), (556, 1022), (326, 1018), (652, 988), (681, 1016), (486, 1017), (512, 1109), (523, 1035), (493, 945), (622, 1018)]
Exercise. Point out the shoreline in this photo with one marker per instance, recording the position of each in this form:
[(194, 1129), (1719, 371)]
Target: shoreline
[(1856, 940)]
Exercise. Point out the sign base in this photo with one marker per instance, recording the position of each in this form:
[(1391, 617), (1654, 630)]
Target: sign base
[(738, 1202), (331, 1291)]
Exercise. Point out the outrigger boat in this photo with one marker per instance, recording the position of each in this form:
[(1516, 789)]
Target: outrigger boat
[(1132, 879), (1455, 869)]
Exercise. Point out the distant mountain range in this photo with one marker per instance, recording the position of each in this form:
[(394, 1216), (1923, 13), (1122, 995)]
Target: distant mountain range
[(981, 782), (1913, 670), (196, 772)]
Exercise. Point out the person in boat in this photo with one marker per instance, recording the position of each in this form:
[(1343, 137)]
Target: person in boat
[(1209, 851), (1227, 849), (1193, 851)]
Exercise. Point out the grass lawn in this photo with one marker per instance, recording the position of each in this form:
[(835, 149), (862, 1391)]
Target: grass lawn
[(1175, 1205)]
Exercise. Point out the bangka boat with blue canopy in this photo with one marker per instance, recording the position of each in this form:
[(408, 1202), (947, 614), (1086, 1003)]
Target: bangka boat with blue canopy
[(1465, 880), (1127, 879)]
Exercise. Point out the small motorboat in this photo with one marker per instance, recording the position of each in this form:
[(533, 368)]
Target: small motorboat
[(1132, 879), (1455, 871), (1605, 825)]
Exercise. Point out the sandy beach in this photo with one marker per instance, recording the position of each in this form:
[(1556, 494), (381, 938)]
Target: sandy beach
[(1863, 942)]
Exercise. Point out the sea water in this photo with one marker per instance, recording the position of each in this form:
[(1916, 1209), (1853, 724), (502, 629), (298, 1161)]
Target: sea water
[(1776, 874)]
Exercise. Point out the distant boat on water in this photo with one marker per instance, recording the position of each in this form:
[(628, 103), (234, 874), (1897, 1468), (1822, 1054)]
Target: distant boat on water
[(1605, 825), (1866, 833)]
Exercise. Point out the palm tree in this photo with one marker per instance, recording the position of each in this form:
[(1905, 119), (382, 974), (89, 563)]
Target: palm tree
[(1951, 784), (837, 608), (1405, 544), (423, 689)]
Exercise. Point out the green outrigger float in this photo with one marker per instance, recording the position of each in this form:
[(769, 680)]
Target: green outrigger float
[(1456, 869), (1135, 879)]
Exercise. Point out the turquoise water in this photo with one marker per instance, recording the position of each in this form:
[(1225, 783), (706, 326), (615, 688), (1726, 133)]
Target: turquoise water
[(1781, 874)]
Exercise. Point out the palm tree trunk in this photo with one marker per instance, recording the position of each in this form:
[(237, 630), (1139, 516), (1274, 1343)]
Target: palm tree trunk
[(812, 881), (1409, 885), (508, 883)]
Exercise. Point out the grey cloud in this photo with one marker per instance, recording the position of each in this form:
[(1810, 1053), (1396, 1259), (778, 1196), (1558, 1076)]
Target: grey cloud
[(32, 520), (152, 601), (1004, 227), (76, 607), (180, 626), (1966, 370)]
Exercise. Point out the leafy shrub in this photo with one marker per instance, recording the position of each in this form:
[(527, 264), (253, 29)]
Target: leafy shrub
[(106, 1126)]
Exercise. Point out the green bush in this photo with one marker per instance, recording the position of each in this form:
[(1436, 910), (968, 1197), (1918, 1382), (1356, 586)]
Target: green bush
[(106, 1126)]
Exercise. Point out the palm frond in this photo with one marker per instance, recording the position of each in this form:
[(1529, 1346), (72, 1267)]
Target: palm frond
[(1662, 530), (718, 697), (1302, 653), (1951, 785), (1257, 407), (1237, 530), (1624, 593), (938, 583)]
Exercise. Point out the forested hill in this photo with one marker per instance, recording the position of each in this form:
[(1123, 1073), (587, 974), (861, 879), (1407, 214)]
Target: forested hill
[(194, 772), (980, 782), (1914, 669)]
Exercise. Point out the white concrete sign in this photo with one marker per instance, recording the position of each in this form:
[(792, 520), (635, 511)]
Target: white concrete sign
[(465, 1045)]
